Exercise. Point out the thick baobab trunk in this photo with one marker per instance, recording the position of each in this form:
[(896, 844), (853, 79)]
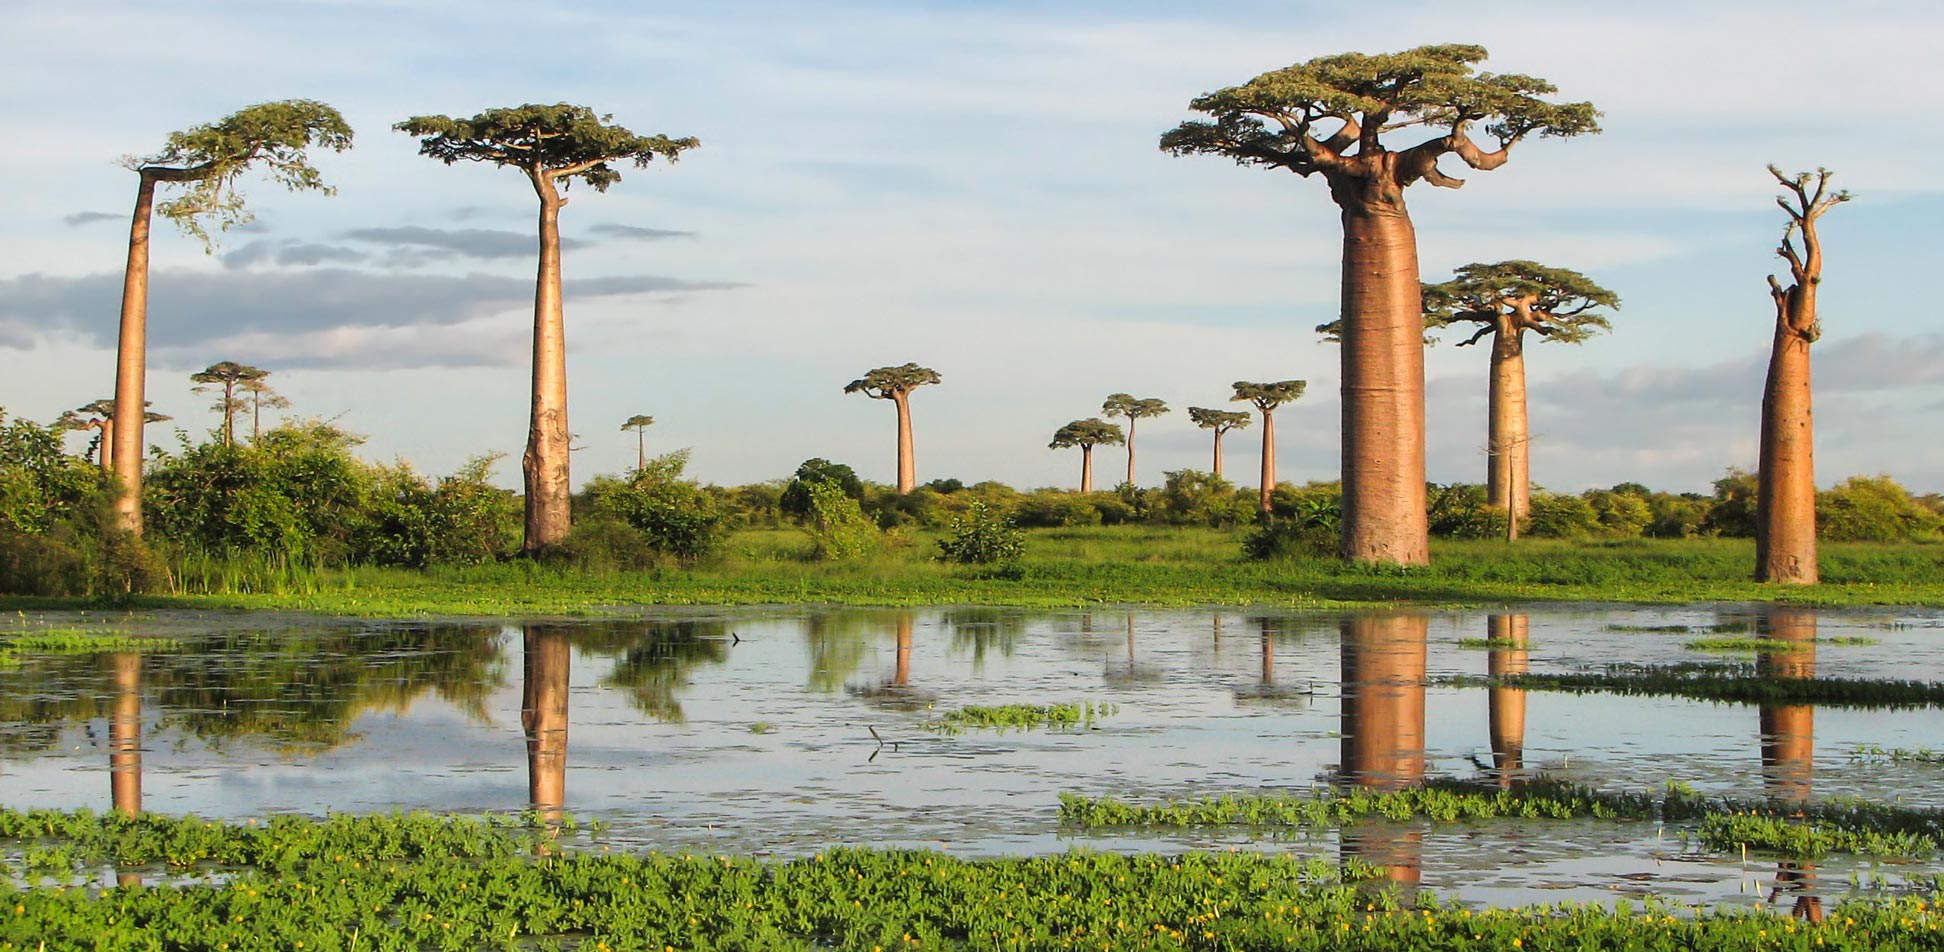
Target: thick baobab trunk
[(1785, 501), (1383, 387), (907, 469), (1086, 469), (1268, 491), (546, 661), (1506, 713), (125, 734), (107, 449), (131, 366), (1383, 731), (1508, 472), (548, 486), (1788, 730), (1218, 453), (901, 675)]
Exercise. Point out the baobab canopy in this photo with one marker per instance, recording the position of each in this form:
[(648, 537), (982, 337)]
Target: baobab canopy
[(562, 140), (1556, 303), (886, 383), (271, 135)]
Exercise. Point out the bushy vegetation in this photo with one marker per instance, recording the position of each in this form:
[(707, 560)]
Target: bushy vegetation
[(983, 536)]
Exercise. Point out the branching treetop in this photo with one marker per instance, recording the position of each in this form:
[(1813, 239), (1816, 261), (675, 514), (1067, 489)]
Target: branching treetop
[(1269, 396), (1221, 421), (226, 373), (213, 156), (638, 421), (889, 383), (94, 415), (1795, 303), (558, 142), (1131, 407), (1086, 433), (1271, 120), (1556, 303)]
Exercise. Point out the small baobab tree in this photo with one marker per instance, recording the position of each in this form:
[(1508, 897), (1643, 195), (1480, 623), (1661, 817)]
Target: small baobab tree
[(100, 415), (1135, 409), (1086, 434), (552, 146), (260, 394), (895, 384), (639, 423), (1267, 397), (1785, 493), (1272, 121), (206, 161), (227, 375), (1220, 421), (1506, 300)]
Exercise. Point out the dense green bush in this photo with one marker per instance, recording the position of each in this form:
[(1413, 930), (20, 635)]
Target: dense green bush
[(837, 526), (1732, 512), (1460, 511), (674, 516), (1053, 508), (1873, 509), (1194, 498), (983, 536), (795, 499)]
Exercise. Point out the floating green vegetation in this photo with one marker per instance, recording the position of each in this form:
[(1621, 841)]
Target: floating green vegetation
[(1871, 753), (80, 641), (401, 883), (1493, 644), (1838, 825), (761, 727), (1716, 682), (1738, 645), (1652, 629), (1851, 641), (1021, 717)]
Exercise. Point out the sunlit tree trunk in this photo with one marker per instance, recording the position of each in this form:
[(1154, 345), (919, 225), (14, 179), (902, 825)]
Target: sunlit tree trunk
[(125, 733), (1131, 420), (1383, 383), (1086, 469), (1383, 659), (641, 449), (131, 365), (1218, 452), (548, 485), (1508, 472), (1789, 742), (1785, 500), (1507, 706), (1268, 490), (907, 468), (546, 663), (107, 448), (902, 676)]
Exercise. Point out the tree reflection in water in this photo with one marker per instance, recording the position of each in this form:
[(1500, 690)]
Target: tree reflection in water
[(1508, 635), (1788, 742), (1266, 689), (1383, 732)]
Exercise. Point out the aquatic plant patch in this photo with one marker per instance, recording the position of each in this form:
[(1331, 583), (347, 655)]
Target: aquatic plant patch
[(1021, 717), (1740, 684)]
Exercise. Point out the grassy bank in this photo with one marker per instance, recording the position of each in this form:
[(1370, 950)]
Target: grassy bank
[(426, 883), (1128, 565)]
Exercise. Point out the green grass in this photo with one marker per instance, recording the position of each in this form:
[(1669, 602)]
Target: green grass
[(1493, 644), (1123, 565), (1871, 753), (1021, 717), (1730, 644), (417, 882), (1717, 682)]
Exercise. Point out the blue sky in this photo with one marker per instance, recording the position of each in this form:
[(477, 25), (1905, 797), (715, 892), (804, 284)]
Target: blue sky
[(975, 187)]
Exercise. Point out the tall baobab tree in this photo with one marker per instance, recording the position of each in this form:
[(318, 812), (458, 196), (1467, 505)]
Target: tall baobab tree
[(260, 394), (1506, 300), (895, 384), (1785, 493), (1271, 121), (552, 146), (639, 423), (206, 160), (1086, 434), (227, 375), (1267, 397), (100, 415), (1135, 409), (1220, 421)]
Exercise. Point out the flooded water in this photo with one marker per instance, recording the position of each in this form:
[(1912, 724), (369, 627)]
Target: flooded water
[(782, 732)]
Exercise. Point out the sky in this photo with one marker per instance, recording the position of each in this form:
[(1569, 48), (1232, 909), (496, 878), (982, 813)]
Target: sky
[(975, 187)]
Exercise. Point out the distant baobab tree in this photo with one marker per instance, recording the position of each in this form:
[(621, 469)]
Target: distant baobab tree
[(1086, 434), (1271, 121), (1135, 409), (260, 394), (1267, 397), (552, 146), (640, 424), (1785, 493), (895, 384), (100, 415), (1220, 421), (207, 160), (1506, 300), (227, 375)]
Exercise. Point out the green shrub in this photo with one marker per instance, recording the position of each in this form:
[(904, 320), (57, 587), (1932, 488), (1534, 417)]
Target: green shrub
[(795, 498), (1460, 511), (1555, 516), (983, 536), (1733, 511), (1194, 498), (1873, 509), (837, 526), (1054, 509), (1620, 515), (675, 516)]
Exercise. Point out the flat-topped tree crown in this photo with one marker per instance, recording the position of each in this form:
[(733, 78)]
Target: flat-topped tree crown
[(210, 158), (1559, 304), (561, 142), (1132, 407), (1087, 434), (1220, 421), (638, 421), (889, 383), (1268, 396), (1272, 119)]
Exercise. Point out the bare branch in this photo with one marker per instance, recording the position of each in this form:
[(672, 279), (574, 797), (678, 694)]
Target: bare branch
[(1475, 338)]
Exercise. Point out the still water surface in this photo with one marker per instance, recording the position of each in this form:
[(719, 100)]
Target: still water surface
[(782, 732)]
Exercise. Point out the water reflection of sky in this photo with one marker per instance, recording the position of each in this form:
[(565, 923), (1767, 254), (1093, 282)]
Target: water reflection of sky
[(269, 714)]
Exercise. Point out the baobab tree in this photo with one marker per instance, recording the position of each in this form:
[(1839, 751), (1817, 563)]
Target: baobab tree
[(1267, 397), (228, 375), (639, 423), (1785, 493), (552, 146), (1506, 300), (1220, 421), (100, 415), (1086, 434), (206, 160), (1135, 409), (260, 394), (1271, 121), (895, 384)]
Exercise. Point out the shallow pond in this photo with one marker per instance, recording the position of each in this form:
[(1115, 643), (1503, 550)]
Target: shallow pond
[(785, 731)]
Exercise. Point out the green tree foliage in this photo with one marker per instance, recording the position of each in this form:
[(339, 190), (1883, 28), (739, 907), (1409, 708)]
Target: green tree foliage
[(675, 516), (983, 536), (1462, 511), (560, 141), (463, 519), (1733, 511), (1873, 509), (1560, 516), (1193, 498), (1086, 434), (1558, 304), (838, 528), (796, 501), (228, 376), (208, 159)]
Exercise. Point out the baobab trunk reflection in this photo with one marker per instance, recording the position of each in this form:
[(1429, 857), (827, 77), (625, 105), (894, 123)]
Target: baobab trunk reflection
[(125, 733), (1383, 731), (1508, 634), (1788, 743), (547, 661), (901, 676)]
